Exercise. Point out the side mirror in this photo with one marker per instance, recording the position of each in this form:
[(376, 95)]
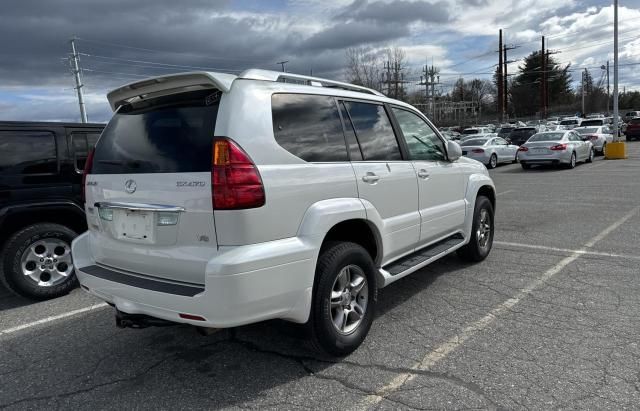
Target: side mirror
[(454, 151)]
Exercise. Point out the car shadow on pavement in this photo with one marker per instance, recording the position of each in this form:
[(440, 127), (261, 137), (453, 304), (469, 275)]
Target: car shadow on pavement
[(8, 300), (226, 369)]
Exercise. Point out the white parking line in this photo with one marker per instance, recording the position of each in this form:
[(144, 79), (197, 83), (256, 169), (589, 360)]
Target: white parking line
[(444, 349), (505, 192), (566, 250), (53, 318)]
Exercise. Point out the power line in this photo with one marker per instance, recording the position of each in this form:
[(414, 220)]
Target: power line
[(203, 56), (158, 63)]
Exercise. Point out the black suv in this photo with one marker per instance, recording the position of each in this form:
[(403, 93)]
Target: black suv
[(41, 207), (520, 135)]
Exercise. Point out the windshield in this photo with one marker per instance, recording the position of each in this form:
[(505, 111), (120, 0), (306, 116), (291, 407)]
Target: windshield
[(597, 122), (546, 137), (474, 142), (589, 130), (471, 131)]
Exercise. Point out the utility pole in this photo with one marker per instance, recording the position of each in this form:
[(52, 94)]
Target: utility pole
[(282, 63), (543, 83), (603, 67), (505, 95), (499, 80), (431, 79), (583, 91), (75, 59), (615, 71)]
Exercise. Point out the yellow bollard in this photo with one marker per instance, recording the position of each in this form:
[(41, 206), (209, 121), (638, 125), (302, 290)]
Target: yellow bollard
[(616, 151)]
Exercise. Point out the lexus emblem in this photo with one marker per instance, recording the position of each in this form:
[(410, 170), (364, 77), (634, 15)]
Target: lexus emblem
[(130, 186)]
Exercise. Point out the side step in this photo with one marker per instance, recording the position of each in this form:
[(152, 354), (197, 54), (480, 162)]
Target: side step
[(422, 255)]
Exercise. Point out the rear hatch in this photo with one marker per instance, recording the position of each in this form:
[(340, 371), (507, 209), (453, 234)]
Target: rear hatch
[(148, 193)]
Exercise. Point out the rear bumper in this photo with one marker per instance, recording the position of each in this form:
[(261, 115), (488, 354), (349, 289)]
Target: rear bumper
[(556, 158), (242, 285)]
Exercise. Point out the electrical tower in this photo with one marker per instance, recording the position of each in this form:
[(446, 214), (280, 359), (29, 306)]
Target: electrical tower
[(394, 79), (431, 79), (75, 68)]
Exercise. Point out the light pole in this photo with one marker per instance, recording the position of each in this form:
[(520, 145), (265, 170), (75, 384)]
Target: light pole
[(615, 71)]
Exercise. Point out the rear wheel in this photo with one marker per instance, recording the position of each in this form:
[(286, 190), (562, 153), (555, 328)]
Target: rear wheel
[(36, 261), (482, 231), (493, 161), (344, 298), (572, 161), (525, 166), (604, 149)]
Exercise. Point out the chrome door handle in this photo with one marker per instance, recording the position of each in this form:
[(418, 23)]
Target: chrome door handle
[(423, 174), (370, 178)]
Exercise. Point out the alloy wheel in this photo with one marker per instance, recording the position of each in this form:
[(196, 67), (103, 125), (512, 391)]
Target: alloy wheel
[(47, 262), (483, 232), (349, 298)]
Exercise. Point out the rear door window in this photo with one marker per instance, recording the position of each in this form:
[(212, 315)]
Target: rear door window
[(374, 132), (82, 142), (170, 134), (309, 127), (28, 152)]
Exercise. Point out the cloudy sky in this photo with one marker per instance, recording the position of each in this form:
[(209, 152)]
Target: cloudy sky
[(123, 40)]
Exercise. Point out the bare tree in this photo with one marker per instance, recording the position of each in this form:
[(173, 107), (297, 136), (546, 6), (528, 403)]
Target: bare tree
[(363, 67)]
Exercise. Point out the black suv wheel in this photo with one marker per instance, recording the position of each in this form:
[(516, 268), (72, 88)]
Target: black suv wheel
[(36, 261), (344, 298)]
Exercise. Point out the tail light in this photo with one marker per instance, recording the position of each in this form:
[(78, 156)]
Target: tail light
[(477, 150), (88, 164), (235, 181), (523, 148), (559, 147)]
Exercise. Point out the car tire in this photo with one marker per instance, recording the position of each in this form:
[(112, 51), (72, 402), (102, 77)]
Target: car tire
[(591, 155), (493, 162), (35, 245), (525, 166), (481, 239), (572, 161), (340, 265), (603, 152)]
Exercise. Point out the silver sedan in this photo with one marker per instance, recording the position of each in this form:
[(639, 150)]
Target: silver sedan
[(599, 136), (555, 148), (490, 151)]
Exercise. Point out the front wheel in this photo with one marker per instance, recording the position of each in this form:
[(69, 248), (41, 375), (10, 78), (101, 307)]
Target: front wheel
[(36, 261), (344, 298), (482, 231)]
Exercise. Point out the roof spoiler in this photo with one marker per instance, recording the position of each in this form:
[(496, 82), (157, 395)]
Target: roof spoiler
[(163, 84)]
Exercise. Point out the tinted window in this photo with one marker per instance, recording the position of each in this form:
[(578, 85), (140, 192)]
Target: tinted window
[(474, 142), (82, 143), (635, 121), (547, 137), (170, 134), (471, 131), (27, 152), (598, 122), (308, 127), (374, 131), (422, 141)]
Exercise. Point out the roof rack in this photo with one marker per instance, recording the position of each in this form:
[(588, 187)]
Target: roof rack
[(270, 75)]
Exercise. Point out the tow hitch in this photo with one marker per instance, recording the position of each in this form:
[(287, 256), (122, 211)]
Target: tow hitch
[(124, 320)]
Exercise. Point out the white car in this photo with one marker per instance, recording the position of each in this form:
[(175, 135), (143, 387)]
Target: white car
[(569, 123), (219, 200), (599, 136), (555, 148), (476, 130), (490, 151)]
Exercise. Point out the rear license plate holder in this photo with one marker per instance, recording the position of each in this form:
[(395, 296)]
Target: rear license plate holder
[(135, 225)]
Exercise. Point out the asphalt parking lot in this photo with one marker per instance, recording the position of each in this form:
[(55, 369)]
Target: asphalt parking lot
[(550, 320)]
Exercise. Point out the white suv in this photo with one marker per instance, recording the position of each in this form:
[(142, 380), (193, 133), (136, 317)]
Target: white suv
[(218, 200)]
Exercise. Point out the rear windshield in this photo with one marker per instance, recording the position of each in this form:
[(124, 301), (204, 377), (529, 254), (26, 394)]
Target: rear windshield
[(170, 134), (471, 131), (474, 142), (598, 122), (589, 130), (568, 122), (506, 129), (546, 137), (522, 133)]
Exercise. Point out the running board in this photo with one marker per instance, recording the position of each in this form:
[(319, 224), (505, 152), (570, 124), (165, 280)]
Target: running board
[(420, 258)]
